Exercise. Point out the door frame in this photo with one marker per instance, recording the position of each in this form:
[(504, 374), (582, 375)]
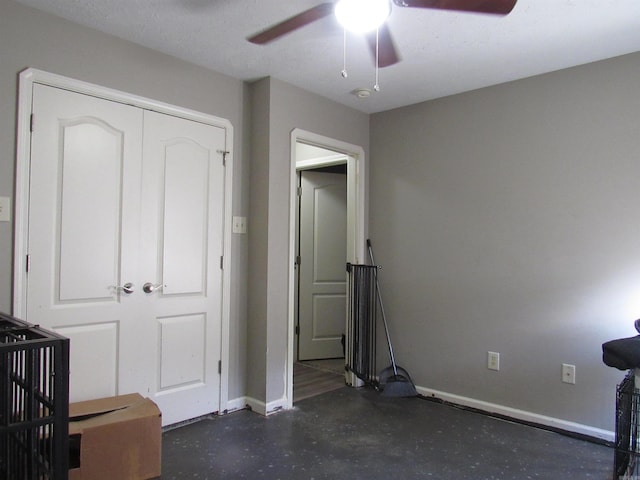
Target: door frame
[(356, 225), (27, 79)]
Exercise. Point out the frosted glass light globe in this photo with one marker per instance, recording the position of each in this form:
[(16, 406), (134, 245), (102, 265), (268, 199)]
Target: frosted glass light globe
[(361, 16)]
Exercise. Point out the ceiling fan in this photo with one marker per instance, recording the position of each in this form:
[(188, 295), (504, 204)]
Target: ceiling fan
[(380, 41)]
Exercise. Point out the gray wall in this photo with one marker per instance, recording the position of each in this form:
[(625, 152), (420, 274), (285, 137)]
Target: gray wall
[(508, 219), (258, 239), (279, 108), (29, 38)]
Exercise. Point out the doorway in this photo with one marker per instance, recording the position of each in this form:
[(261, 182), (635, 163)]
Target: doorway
[(321, 257), (321, 286), (325, 156)]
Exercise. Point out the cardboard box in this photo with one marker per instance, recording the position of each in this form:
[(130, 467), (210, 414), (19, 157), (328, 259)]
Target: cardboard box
[(115, 438)]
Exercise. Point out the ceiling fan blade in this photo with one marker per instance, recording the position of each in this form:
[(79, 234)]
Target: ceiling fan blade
[(293, 23), (387, 54), (496, 7)]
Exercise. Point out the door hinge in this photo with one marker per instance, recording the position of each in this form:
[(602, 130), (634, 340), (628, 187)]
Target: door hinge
[(224, 156), (298, 260), (27, 263), (220, 367), (299, 191), (297, 329), (221, 262), (31, 123)]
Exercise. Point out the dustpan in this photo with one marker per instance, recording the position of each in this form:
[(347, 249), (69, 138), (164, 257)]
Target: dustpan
[(393, 381)]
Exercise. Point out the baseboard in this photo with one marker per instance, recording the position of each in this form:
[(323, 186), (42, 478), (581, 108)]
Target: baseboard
[(256, 405), (278, 405), (236, 404), (266, 409), (521, 415)]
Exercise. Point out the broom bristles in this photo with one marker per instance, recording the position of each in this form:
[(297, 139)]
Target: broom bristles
[(399, 386)]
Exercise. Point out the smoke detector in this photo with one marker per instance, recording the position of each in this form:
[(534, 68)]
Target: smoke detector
[(362, 92)]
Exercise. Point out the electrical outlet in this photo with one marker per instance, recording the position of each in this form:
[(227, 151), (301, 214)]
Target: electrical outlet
[(493, 360), (569, 373), (5, 209), (239, 225)]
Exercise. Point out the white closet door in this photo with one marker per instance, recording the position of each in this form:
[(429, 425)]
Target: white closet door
[(181, 247), (83, 235), (106, 218)]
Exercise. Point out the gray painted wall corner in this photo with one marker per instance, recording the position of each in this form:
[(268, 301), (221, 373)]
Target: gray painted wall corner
[(506, 220)]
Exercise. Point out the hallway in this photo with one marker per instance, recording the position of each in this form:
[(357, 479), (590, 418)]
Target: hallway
[(311, 378)]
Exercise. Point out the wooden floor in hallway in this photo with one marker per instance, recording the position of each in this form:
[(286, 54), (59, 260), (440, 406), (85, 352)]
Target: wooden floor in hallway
[(316, 377)]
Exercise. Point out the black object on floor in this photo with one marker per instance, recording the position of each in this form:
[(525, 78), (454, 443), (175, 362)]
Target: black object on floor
[(394, 381), (34, 401), (627, 452), (362, 313), (359, 434)]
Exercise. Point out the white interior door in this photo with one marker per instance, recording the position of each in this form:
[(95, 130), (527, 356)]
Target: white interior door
[(181, 250), (323, 252), (107, 216), (83, 235)]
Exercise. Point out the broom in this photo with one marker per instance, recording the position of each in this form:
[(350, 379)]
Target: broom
[(394, 381)]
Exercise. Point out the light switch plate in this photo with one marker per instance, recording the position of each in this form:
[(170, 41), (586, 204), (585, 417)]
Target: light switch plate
[(569, 373), (5, 209), (239, 225)]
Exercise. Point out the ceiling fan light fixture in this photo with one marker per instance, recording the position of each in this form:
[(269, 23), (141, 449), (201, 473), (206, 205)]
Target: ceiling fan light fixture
[(360, 16)]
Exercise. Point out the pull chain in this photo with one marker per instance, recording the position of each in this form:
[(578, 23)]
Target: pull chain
[(344, 55), (376, 87)]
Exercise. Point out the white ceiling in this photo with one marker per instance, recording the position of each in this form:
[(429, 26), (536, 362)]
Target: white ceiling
[(443, 53)]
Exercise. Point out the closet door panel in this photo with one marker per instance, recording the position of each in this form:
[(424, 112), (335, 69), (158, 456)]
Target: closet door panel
[(83, 235), (181, 248)]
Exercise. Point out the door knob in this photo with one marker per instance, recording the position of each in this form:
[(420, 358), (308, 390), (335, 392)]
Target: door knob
[(150, 287), (126, 288)]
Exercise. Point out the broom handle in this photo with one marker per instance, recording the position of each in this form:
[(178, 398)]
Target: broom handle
[(384, 317)]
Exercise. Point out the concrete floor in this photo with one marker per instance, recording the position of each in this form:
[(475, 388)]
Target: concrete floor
[(358, 434)]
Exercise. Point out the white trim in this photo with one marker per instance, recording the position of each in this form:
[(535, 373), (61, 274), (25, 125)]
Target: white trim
[(277, 406), (228, 254), (31, 76), (356, 233), (329, 160), (257, 406), (235, 405), (266, 409), (517, 414)]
